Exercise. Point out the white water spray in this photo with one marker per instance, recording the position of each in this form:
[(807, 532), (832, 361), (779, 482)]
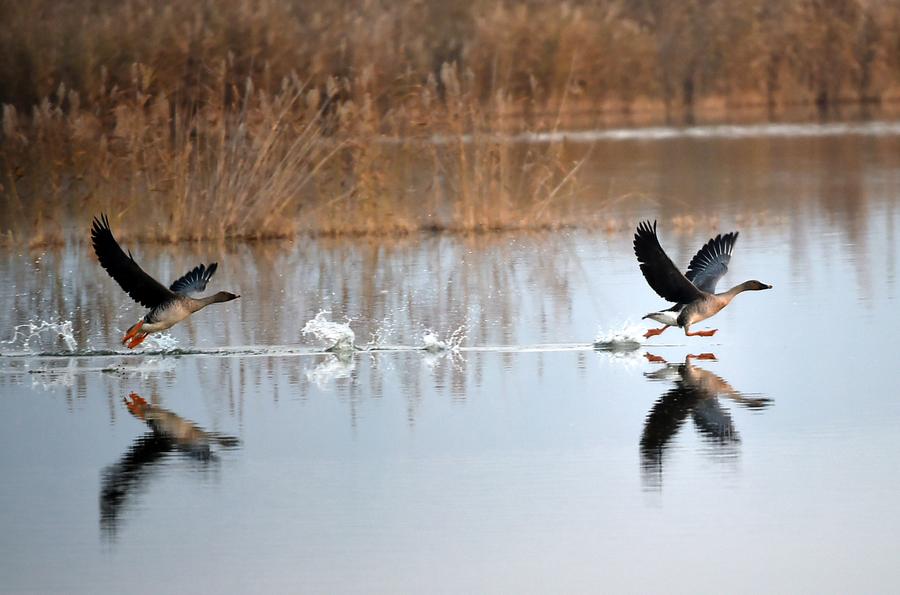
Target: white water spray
[(27, 335), (432, 343), (628, 337), (160, 342), (339, 337)]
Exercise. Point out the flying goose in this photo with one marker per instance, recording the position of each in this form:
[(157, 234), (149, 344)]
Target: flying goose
[(694, 292), (168, 306)]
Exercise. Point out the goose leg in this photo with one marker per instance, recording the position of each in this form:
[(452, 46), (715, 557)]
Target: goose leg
[(137, 340), (708, 333), (132, 331), (655, 331)]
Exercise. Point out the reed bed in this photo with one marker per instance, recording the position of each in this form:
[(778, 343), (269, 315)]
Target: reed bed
[(273, 166), (208, 120)]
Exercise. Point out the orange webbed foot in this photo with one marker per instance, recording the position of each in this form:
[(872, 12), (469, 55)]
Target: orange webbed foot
[(654, 331), (708, 333), (137, 340), (704, 356), (131, 332), (656, 359)]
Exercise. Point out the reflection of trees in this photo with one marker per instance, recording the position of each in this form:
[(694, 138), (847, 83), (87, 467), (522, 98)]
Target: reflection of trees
[(123, 481), (696, 396)]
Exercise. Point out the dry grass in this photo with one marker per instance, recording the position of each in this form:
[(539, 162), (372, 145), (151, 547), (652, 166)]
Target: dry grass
[(273, 166), (206, 120)]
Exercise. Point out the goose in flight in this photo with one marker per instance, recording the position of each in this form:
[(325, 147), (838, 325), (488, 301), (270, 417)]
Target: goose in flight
[(168, 306), (694, 292)]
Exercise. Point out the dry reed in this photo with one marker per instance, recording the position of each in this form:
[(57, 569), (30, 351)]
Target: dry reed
[(205, 120)]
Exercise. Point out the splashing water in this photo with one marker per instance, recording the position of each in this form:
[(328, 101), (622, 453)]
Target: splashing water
[(339, 337), (433, 344), (383, 334), (25, 335), (332, 368), (160, 342), (628, 337)]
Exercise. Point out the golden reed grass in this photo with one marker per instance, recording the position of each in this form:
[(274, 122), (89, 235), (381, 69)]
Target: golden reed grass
[(191, 120)]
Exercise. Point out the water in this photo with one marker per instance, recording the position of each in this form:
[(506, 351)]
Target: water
[(492, 420)]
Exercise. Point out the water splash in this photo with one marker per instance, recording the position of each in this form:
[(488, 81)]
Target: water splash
[(628, 337), (26, 336), (340, 337), (382, 335), (160, 342), (432, 343), (332, 368)]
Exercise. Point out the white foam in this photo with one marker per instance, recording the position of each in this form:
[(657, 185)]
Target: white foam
[(160, 342), (628, 337), (432, 343), (338, 337)]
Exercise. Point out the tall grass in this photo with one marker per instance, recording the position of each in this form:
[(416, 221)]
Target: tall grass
[(272, 166), (191, 120)]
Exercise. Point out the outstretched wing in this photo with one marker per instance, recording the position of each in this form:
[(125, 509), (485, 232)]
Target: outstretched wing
[(195, 280), (660, 272), (711, 262), (142, 288)]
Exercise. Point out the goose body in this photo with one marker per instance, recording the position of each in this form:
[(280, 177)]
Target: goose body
[(693, 292), (168, 305)]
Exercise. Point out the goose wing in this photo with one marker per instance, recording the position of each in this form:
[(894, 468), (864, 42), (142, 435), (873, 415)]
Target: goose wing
[(142, 288), (711, 262), (194, 281), (660, 272)]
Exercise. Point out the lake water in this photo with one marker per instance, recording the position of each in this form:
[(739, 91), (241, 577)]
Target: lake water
[(518, 459)]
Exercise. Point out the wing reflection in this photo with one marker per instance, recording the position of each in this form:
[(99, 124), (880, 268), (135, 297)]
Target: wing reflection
[(125, 479), (696, 395)]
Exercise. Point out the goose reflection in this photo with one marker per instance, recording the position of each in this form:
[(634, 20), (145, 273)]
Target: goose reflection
[(169, 433), (696, 395)]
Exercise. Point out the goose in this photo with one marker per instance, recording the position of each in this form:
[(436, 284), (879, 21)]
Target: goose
[(168, 306), (694, 292)]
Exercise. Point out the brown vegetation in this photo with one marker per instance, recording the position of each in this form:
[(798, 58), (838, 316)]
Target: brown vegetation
[(201, 119)]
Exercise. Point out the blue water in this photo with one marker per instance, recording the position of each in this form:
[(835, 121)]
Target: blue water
[(523, 461)]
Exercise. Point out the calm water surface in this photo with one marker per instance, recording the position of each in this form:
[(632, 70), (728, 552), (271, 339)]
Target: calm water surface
[(526, 460)]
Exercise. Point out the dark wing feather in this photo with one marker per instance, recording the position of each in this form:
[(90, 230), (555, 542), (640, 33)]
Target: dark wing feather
[(195, 280), (142, 288), (711, 262), (661, 273)]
